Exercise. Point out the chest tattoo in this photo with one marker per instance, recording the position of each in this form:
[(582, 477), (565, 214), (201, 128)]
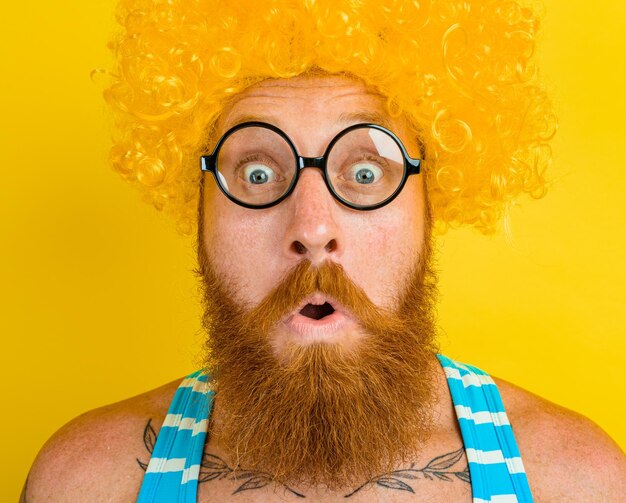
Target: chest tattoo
[(448, 467)]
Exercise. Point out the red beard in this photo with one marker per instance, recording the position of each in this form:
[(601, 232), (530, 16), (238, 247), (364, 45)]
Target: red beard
[(320, 414)]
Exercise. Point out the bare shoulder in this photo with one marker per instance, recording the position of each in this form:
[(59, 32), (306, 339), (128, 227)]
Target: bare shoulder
[(100, 450), (566, 455)]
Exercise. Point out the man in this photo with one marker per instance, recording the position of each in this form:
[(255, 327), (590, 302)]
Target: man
[(332, 137)]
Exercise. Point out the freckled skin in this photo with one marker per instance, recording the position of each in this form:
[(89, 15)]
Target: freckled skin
[(253, 249)]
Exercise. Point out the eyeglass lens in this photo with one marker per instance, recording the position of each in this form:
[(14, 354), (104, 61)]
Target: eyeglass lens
[(257, 166)]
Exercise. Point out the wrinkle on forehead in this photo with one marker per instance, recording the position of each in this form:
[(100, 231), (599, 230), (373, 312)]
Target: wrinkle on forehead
[(321, 80), (299, 89)]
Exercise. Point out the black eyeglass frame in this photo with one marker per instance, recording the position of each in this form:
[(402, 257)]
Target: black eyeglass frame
[(209, 163)]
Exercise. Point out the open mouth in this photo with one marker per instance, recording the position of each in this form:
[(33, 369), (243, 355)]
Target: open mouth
[(320, 318), (317, 312)]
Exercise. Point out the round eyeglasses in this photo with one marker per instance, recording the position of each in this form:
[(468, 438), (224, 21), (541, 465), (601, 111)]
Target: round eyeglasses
[(256, 165)]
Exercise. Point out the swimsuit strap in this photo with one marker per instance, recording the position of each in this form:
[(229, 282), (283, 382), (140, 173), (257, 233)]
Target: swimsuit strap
[(496, 469), (172, 474)]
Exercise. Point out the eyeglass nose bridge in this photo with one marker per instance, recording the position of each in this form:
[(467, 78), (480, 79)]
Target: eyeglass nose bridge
[(311, 162)]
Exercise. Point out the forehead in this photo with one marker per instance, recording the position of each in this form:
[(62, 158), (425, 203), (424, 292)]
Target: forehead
[(308, 104)]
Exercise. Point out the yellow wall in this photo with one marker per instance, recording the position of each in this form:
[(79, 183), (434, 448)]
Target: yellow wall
[(98, 302)]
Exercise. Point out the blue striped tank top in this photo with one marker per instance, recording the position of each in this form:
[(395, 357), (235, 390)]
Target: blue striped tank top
[(496, 470)]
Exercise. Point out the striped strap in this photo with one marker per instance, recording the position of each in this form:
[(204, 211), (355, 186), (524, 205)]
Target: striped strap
[(495, 465), (172, 474)]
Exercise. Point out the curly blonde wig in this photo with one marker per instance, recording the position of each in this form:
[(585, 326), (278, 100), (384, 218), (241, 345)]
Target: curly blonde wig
[(461, 71)]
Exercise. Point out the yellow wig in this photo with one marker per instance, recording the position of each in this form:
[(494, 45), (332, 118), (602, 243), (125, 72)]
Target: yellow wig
[(461, 71)]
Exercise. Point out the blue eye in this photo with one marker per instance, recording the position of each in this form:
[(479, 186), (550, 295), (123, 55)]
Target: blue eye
[(365, 173), (258, 174)]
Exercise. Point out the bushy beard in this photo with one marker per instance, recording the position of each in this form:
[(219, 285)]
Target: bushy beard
[(321, 415)]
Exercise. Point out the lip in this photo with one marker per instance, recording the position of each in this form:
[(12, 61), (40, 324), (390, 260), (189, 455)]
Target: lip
[(326, 329)]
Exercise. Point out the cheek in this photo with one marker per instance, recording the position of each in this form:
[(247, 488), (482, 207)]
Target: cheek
[(240, 246), (412, 218), (383, 246)]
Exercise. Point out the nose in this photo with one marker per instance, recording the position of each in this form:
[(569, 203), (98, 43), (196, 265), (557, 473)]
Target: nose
[(312, 230)]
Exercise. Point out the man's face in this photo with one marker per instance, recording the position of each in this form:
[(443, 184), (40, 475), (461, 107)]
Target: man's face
[(312, 399), (251, 250)]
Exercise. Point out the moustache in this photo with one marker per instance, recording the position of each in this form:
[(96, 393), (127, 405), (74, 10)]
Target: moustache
[(328, 279)]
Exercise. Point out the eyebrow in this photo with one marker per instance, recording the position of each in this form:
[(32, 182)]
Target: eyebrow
[(240, 119), (349, 118), (366, 116)]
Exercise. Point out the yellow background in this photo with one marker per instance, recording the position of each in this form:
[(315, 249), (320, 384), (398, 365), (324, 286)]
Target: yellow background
[(98, 301)]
